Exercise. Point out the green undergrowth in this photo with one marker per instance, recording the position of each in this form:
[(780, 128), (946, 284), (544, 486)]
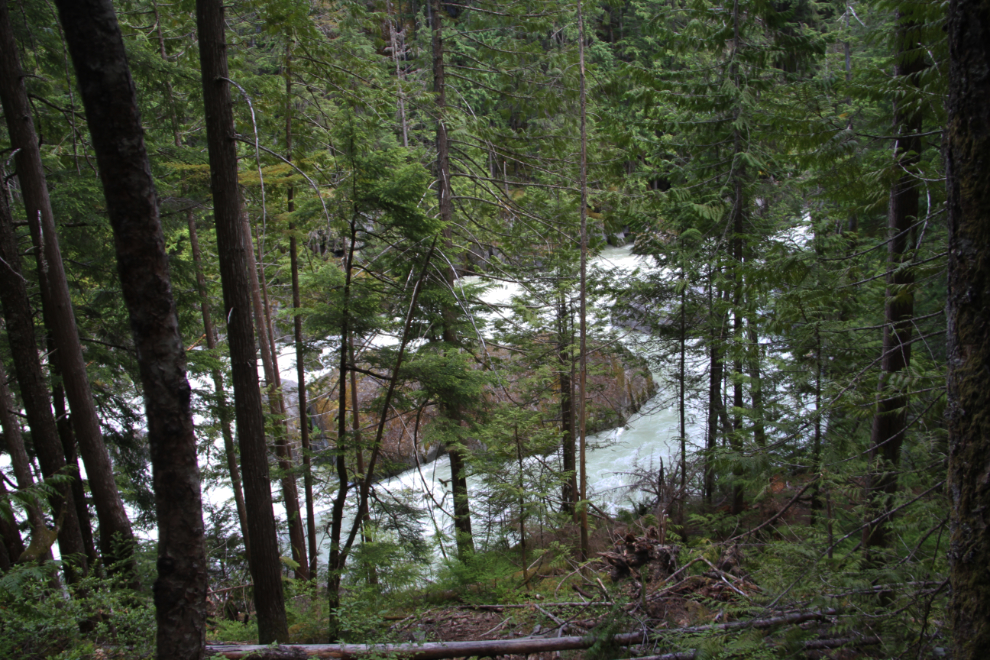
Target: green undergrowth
[(899, 597), (96, 617)]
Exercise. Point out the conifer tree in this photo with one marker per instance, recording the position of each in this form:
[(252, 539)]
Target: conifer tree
[(116, 538), (108, 94), (968, 185), (233, 246)]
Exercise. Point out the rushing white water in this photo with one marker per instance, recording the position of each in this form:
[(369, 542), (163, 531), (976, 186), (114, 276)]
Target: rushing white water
[(616, 458), (648, 438)]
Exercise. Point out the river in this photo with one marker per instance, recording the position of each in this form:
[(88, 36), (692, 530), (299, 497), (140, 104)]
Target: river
[(647, 440)]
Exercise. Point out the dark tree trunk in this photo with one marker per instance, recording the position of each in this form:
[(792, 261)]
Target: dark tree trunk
[(715, 374), (223, 409), (568, 494), (298, 336), (290, 495), (233, 246), (209, 330), (756, 383), (109, 96), (20, 462), (738, 243), (682, 410), (458, 478), (968, 171), (303, 403), (116, 539), (337, 561), (34, 391), (359, 456), (11, 543), (582, 405), (64, 426), (337, 557), (890, 419), (816, 443)]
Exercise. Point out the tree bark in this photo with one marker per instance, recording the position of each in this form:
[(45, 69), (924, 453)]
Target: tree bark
[(233, 246), (110, 99), (337, 558), (223, 408), (290, 495), (582, 407), (568, 494), (738, 242), (19, 461), (359, 457), (11, 543), (715, 373), (303, 403), (116, 539), (63, 425), (298, 335), (34, 391), (458, 477), (968, 172), (890, 419)]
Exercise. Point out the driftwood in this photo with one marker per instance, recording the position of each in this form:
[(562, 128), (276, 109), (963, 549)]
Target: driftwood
[(524, 646)]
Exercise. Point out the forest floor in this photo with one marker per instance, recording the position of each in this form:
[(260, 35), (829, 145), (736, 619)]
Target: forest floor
[(683, 599)]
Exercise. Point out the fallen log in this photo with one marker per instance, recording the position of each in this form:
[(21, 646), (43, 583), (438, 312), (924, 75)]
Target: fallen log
[(427, 650), (487, 648)]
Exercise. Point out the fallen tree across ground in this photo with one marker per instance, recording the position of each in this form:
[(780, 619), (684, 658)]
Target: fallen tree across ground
[(487, 648)]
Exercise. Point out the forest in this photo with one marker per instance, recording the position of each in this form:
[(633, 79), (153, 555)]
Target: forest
[(421, 329)]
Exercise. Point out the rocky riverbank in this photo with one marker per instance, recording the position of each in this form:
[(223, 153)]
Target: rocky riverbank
[(619, 383)]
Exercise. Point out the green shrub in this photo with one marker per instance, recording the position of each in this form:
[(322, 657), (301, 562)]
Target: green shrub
[(38, 621)]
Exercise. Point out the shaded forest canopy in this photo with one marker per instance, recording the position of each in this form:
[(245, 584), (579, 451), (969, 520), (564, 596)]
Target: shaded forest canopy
[(355, 240)]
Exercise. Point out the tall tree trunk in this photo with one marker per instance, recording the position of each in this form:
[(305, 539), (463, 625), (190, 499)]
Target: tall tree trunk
[(41, 537), (209, 330), (233, 247), (521, 486), (738, 245), (34, 392), (11, 543), (458, 477), (568, 494), (363, 514), (335, 567), (756, 384), (339, 552), (968, 172), (890, 419), (298, 336), (223, 408), (582, 407), (715, 374), (816, 443), (110, 99), (22, 472), (394, 44), (682, 405), (290, 495), (64, 426), (116, 539)]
